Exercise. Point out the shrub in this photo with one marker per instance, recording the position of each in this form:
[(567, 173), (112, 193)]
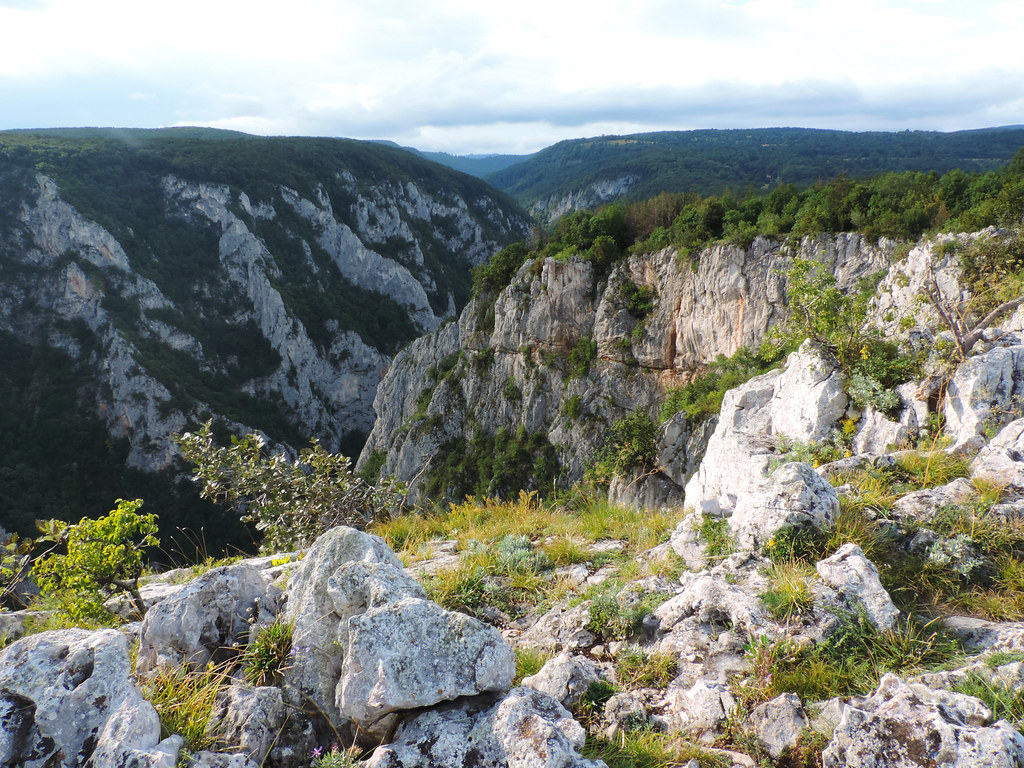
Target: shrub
[(266, 657), (290, 502), (703, 396), (631, 444), (581, 357), (103, 557)]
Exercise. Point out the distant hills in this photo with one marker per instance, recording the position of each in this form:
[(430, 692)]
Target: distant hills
[(582, 173)]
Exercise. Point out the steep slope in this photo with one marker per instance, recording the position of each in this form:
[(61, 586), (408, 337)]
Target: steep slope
[(527, 393), (267, 282), (583, 173)]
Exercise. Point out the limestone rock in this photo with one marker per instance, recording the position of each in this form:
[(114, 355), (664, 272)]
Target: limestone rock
[(778, 723), (317, 621), (67, 698), (699, 709), (921, 505), (904, 725), (414, 653), (1001, 462), (985, 393), (523, 729), (206, 619), (809, 396), (563, 628), (712, 600), (856, 578), (878, 433), (248, 719), (645, 490), (795, 495), (565, 678)]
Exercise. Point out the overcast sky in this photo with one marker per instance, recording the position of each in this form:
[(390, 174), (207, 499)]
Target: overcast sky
[(467, 76)]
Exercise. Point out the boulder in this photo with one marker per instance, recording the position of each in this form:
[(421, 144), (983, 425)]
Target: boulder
[(645, 490), (877, 433), (778, 723), (207, 619), (985, 393), (248, 719), (563, 628), (904, 725), (809, 396), (1001, 462), (712, 600), (699, 709), (795, 495), (414, 653), (67, 699), (856, 579), (310, 683), (522, 729), (565, 678), (921, 505)]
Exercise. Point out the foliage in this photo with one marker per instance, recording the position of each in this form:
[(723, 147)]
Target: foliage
[(717, 536), (529, 661), (788, 594), (498, 465), (290, 502), (581, 357), (616, 614), (184, 699), (703, 396), (646, 748), (266, 656), (103, 557), (1005, 701), (637, 668), (850, 661), (497, 272), (630, 444), (336, 757)]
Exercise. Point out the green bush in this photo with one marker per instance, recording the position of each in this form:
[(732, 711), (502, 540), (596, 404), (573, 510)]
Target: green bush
[(290, 502), (266, 657), (582, 357), (104, 557), (630, 444), (703, 396)]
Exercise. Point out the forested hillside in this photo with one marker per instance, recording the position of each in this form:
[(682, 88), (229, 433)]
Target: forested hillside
[(154, 279), (582, 173)]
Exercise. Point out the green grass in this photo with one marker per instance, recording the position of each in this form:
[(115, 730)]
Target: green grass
[(789, 595), (1005, 702), (648, 749), (529, 662), (184, 700), (266, 657), (637, 668)]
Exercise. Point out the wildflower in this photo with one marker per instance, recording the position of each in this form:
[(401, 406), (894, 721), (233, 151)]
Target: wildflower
[(317, 751)]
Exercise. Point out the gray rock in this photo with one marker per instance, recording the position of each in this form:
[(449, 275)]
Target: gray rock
[(565, 678), (698, 710), (877, 433), (318, 624), (985, 393), (904, 725), (248, 719), (67, 697), (921, 505), (645, 490), (778, 723), (208, 759), (414, 653), (1001, 462), (795, 495), (560, 629), (712, 600), (686, 541), (809, 396), (624, 713), (207, 619), (523, 729), (856, 579)]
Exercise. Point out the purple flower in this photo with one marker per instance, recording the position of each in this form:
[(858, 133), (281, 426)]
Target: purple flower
[(318, 751)]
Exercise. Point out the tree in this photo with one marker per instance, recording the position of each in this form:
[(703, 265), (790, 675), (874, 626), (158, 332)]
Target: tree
[(103, 557), (290, 502)]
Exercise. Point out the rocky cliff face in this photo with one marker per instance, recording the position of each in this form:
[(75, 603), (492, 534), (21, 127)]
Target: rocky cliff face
[(562, 356), (273, 307)]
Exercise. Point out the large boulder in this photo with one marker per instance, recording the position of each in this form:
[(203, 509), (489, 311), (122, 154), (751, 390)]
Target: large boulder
[(856, 579), (207, 619), (247, 719), (910, 725), (67, 700), (809, 396), (414, 653), (318, 623), (985, 393), (565, 678), (1001, 462), (523, 729), (794, 496)]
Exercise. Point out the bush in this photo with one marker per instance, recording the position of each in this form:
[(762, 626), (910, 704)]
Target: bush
[(631, 444), (103, 557), (703, 396), (266, 657), (290, 502)]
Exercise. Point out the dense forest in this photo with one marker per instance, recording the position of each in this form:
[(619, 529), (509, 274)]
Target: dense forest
[(709, 162)]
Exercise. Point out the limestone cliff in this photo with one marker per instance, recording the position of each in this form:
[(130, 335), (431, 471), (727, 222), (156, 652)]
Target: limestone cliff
[(562, 355), (270, 293)]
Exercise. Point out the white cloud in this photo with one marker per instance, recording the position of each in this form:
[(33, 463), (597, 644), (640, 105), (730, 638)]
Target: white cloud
[(465, 76)]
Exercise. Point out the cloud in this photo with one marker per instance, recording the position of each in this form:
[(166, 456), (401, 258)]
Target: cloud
[(461, 76)]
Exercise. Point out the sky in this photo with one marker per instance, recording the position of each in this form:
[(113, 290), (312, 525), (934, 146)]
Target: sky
[(465, 76)]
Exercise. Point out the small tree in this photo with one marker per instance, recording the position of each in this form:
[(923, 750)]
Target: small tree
[(290, 502), (103, 558)]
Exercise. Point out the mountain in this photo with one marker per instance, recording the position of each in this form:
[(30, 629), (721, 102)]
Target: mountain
[(475, 165), (154, 279), (583, 173)]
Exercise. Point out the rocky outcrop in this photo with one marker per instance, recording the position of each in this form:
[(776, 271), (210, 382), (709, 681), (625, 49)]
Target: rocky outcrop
[(561, 356), (260, 300), (67, 700)]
